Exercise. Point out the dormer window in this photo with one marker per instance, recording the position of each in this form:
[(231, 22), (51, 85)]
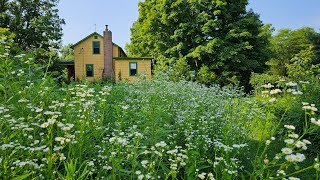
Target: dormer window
[(96, 47)]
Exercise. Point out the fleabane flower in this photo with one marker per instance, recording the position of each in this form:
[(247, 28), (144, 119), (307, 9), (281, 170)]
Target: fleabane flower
[(286, 150), (62, 157), (210, 176), (299, 157), (293, 178), (268, 86), (294, 135), (291, 127), (51, 121), (290, 157), (60, 139), (275, 91), (306, 141), (202, 175), (291, 83), (272, 100), (44, 125), (66, 128), (300, 144), (314, 121), (289, 141), (268, 142), (161, 144), (141, 176), (39, 110)]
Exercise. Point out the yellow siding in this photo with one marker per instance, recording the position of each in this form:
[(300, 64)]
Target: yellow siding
[(122, 54), (115, 51), (122, 66), (83, 55)]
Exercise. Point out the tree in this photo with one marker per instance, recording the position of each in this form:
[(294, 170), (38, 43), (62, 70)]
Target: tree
[(289, 43), (67, 52), (220, 37), (36, 24), (304, 65)]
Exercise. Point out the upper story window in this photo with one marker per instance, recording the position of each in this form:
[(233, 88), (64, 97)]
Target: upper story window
[(96, 47), (133, 68)]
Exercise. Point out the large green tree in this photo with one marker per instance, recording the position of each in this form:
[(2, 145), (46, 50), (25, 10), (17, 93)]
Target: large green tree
[(288, 44), (202, 36), (36, 23)]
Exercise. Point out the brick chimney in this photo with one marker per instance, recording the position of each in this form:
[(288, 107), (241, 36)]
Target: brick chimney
[(107, 43)]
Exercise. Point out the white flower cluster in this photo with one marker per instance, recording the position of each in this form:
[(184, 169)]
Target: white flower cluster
[(275, 91), (291, 127), (291, 178), (311, 107), (3, 109), (203, 176), (292, 84), (316, 122), (177, 157), (293, 144), (268, 86)]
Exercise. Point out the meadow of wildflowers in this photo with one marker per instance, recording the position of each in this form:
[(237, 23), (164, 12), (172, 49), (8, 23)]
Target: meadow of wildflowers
[(147, 130)]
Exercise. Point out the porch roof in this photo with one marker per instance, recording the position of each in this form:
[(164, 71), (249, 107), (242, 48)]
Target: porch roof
[(67, 62)]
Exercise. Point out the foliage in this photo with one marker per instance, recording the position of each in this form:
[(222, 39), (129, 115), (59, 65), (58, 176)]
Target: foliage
[(36, 24), (14, 70), (6, 37), (67, 52), (157, 129), (220, 35), (147, 130), (304, 65), (257, 80), (295, 57), (204, 76), (287, 44)]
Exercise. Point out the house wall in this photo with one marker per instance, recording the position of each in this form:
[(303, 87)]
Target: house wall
[(118, 52), (122, 66), (115, 51), (83, 54)]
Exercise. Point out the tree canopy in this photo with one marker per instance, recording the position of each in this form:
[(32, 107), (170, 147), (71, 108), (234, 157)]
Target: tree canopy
[(36, 23), (219, 37), (287, 44)]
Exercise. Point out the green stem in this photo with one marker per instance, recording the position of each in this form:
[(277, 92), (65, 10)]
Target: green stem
[(297, 172)]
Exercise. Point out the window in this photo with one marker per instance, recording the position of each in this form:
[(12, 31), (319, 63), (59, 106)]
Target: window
[(89, 70), (133, 68), (96, 47)]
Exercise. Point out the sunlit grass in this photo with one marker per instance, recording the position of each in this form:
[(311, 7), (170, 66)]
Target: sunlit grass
[(147, 130)]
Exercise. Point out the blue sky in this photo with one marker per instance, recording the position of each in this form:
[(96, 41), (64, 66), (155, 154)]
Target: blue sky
[(84, 17)]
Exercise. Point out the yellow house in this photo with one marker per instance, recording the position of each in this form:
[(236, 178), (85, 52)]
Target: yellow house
[(97, 57)]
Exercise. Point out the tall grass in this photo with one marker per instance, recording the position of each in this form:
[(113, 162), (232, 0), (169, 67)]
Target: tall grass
[(147, 130)]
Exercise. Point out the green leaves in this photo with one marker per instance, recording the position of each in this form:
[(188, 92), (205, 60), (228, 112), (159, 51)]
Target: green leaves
[(203, 33), (22, 177), (290, 43), (35, 23)]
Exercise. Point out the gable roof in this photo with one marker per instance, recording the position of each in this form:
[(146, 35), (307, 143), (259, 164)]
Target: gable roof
[(97, 34)]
